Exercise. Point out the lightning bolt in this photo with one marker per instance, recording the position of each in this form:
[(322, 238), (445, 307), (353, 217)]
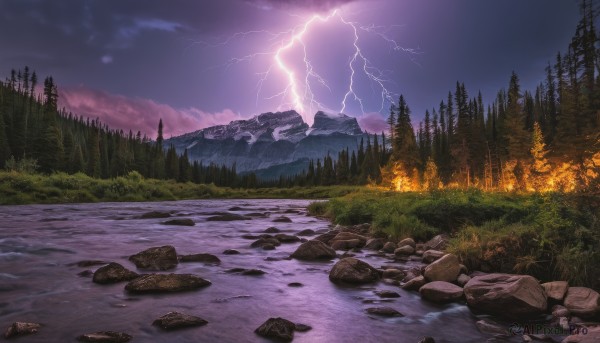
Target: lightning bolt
[(304, 101)]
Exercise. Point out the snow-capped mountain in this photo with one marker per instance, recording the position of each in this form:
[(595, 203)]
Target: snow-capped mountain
[(271, 141)]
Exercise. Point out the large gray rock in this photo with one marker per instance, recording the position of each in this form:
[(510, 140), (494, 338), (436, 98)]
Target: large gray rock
[(441, 292), (513, 296), (176, 320), (556, 290), (313, 250), (352, 270), (277, 328), (446, 268), (582, 301), (112, 273), (432, 255), (156, 258), (21, 329), (105, 337), (166, 283)]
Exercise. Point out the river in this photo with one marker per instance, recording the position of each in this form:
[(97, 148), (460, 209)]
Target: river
[(39, 281)]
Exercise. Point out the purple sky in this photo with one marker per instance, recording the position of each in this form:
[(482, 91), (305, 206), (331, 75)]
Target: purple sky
[(132, 62)]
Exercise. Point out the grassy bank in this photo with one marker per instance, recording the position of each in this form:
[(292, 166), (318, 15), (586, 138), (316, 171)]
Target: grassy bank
[(22, 188), (551, 236)]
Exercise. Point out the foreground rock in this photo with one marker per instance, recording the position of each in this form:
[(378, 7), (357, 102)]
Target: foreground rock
[(441, 292), (313, 250), (384, 311), (176, 320), (113, 273), (156, 258), (592, 335), (21, 329), (179, 222), (277, 328), (506, 295), (582, 301), (105, 337), (490, 327), (352, 270), (556, 290), (166, 283), (204, 258), (446, 269)]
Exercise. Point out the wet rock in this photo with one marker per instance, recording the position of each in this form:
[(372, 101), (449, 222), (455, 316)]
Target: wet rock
[(21, 329), (250, 236), (302, 327), (441, 292), (414, 284), (284, 238), (591, 335), (86, 273), (556, 290), (113, 273), (506, 295), (384, 311), (560, 311), (374, 243), (227, 217), (282, 219), (345, 244), (253, 272), (268, 247), (155, 215), (463, 279), (156, 258), (236, 208), (231, 252), (387, 294), (491, 327), (389, 247), (404, 250), (352, 270), (295, 284), (90, 263), (407, 241), (179, 222), (176, 320), (582, 301), (278, 329), (204, 258), (105, 337), (439, 242), (313, 250), (262, 241), (166, 283), (393, 273), (306, 232), (272, 230), (327, 236), (432, 255), (446, 269)]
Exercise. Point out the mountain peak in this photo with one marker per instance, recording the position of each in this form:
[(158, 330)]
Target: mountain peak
[(328, 123)]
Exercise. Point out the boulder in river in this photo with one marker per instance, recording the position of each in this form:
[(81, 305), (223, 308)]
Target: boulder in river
[(263, 241), (387, 294), (156, 258), (105, 337), (21, 329), (446, 269), (285, 238), (228, 217), (374, 244), (282, 219), (384, 311), (432, 255), (345, 235), (345, 244), (389, 247), (272, 230), (407, 241), (306, 232), (155, 215), (441, 292), (352, 270), (556, 290), (176, 320), (231, 252), (166, 283), (313, 250), (404, 250), (113, 273), (582, 301), (277, 328), (204, 258), (179, 222), (513, 296)]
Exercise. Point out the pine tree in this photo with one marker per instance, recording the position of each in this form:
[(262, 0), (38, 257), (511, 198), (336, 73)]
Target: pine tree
[(540, 167), (4, 147)]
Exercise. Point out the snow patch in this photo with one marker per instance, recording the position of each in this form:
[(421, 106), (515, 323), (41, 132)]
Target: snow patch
[(191, 145), (277, 130)]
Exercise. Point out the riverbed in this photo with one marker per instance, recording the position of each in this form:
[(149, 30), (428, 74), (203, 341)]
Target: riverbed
[(39, 282)]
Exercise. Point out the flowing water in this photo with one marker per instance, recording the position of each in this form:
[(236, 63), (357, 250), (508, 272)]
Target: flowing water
[(39, 282)]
